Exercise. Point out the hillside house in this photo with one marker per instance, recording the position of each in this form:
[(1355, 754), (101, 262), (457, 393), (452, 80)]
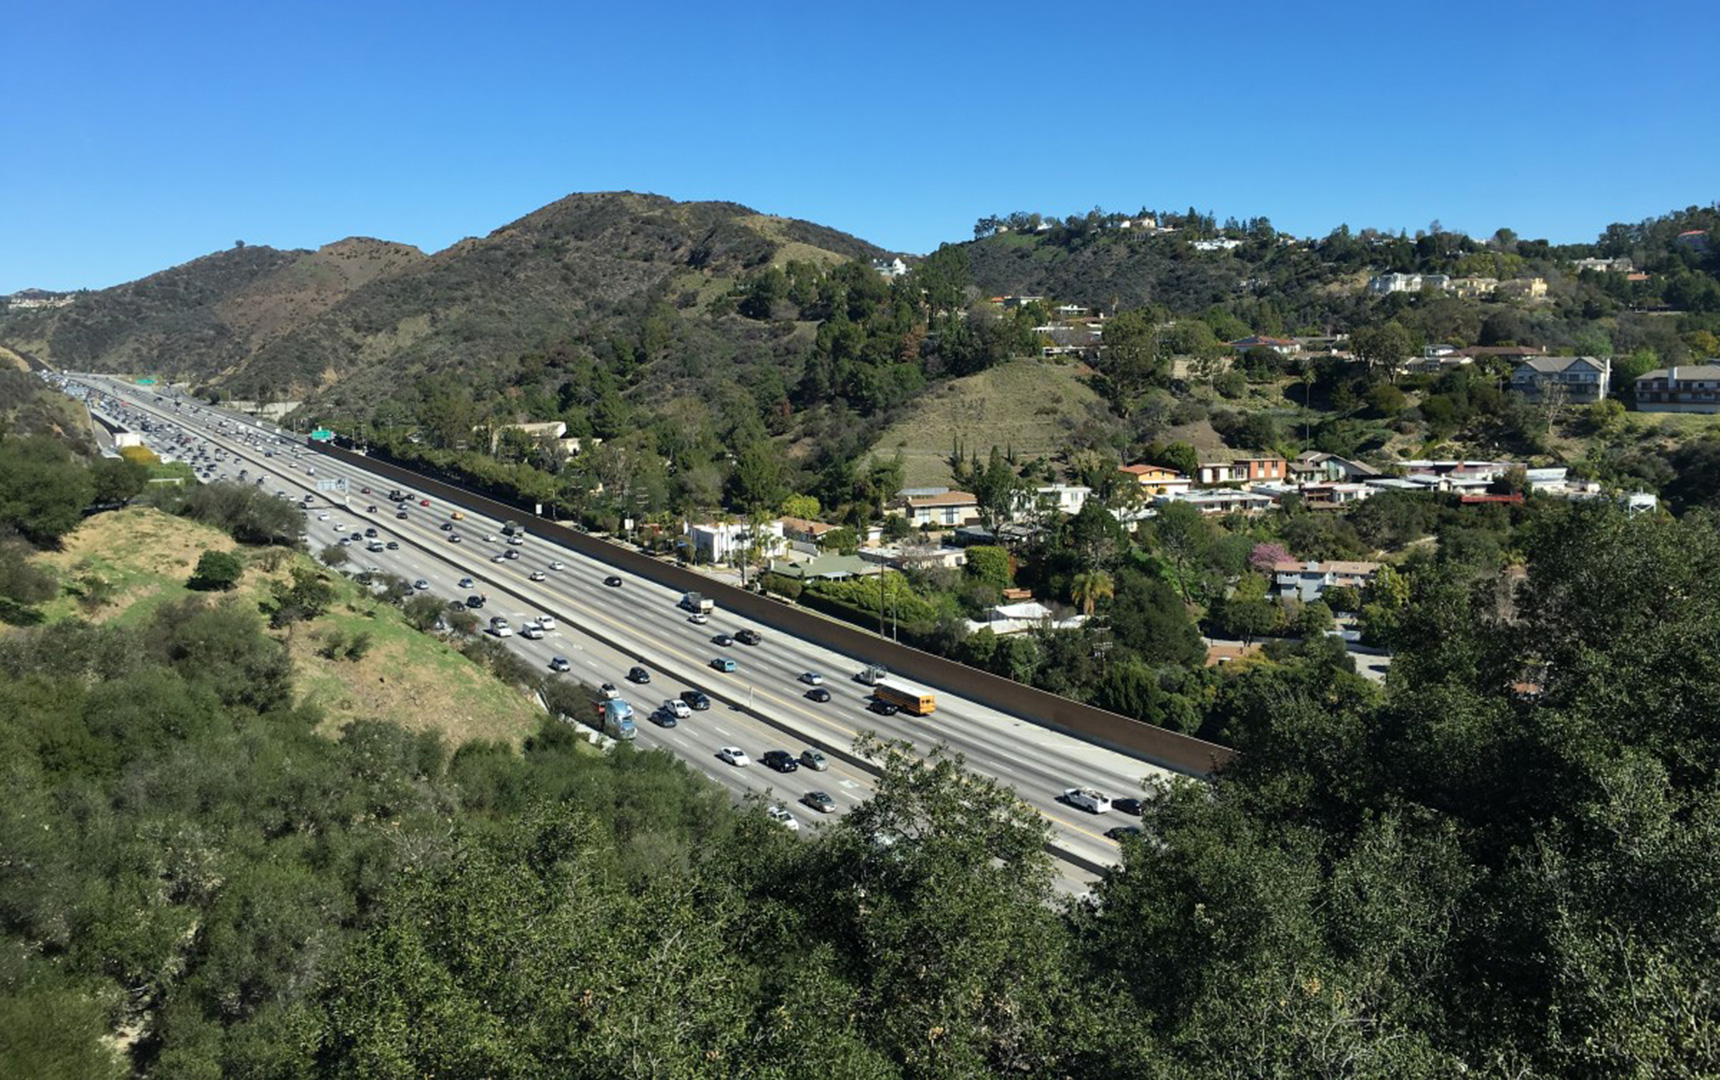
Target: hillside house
[(1582, 380), (1386, 284), (892, 267), (1244, 471), (1281, 346), (1693, 388), (804, 535), (945, 509), (1157, 480), (1308, 581), (718, 543), (1314, 466), (1222, 501)]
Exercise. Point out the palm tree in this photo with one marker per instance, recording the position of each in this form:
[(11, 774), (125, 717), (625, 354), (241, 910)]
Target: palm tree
[(1091, 587)]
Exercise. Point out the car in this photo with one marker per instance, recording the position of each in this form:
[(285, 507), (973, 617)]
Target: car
[(555, 565), (780, 814), (723, 639), (612, 581), (664, 718), (1121, 831), (423, 502), (501, 629), (370, 531), (356, 537), (677, 707), (467, 583), (723, 664), (819, 801), (734, 755), (811, 678), (345, 540), (638, 675), (454, 538), (447, 526), (698, 618), (323, 516), (457, 516), (1087, 799), (696, 700), (474, 601), (392, 545), (1129, 805), (609, 692), (420, 584), (780, 760), (309, 498), (516, 540), (818, 694), (748, 636), (402, 515), (883, 708), (364, 491), (510, 554), (559, 663), (813, 760), (536, 575), (531, 631), (546, 621), (497, 558), (489, 538), (371, 509)]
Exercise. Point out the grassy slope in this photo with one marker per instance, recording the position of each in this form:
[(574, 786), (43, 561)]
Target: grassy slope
[(1025, 404), (412, 679)]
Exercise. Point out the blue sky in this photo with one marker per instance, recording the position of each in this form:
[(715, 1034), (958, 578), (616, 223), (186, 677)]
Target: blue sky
[(143, 135)]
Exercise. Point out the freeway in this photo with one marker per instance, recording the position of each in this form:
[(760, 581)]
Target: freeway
[(604, 630)]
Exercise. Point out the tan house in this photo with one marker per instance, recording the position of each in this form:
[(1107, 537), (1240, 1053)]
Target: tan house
[(947, 509), (1245, 470), (1158, 480)]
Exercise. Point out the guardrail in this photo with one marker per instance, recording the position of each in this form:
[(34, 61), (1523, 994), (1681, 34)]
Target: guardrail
[(1169, 749)]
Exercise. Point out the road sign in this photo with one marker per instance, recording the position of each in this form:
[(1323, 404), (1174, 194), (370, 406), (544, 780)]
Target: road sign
[(146, 382), (336, 483), (322, 435)]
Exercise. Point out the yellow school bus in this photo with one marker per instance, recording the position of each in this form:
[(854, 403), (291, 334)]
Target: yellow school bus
[(910, 699)]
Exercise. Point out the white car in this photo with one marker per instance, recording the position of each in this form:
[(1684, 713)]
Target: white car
[(559, 663), (516, 540), (501, 631), (546, 622), (322, 516), (531, 632), (780, 814), (677, 708), (537, 575), (699, 618), (734, 755), (489, 538), (420, 584), (557, 566), (812, 678), (497, 558)]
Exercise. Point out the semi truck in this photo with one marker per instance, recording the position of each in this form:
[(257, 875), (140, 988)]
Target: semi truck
[(698, 603)]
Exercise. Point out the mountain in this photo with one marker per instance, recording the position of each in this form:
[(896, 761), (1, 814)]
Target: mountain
[(350, 321)]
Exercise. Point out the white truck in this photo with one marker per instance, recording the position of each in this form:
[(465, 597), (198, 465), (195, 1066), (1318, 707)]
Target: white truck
[(1087, 799), (697, 603), (873, 674)]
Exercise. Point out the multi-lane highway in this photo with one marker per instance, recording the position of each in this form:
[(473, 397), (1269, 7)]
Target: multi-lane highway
[(604, 630)]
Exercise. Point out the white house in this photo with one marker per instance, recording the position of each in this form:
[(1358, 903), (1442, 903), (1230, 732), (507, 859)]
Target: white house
[(892, 267), (1582, 380), (1062, 498), (1385, 284), (1221, 244), (715, 543), (1308, 581)]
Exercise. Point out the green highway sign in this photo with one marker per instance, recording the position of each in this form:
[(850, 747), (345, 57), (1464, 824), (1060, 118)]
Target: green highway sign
[(146, 382), (322, 435)]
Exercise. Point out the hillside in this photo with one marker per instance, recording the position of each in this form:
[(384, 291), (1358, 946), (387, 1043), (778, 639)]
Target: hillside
[(361, 315)]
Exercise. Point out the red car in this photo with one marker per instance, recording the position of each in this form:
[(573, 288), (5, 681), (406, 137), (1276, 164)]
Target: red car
[(423, 502)]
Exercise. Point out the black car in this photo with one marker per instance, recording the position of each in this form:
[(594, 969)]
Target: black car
[(394, 545), (748, 637), (664, 718), (722, 639), (474, 601), (639, 675), (1127, 806), (612, 581), (401, 515), (696, 700), (447, 526), (1121, 831), (370, 531), (780, 760), (818, 693), (883, 708)]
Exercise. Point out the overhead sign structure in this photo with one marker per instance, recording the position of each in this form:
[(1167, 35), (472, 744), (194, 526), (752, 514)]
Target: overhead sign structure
[(322, 435), (146, 382)]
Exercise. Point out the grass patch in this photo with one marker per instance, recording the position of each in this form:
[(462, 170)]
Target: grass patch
[(1028, 405), (412, 679)]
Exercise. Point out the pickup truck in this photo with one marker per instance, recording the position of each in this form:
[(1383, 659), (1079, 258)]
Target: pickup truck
[(1087, 799)]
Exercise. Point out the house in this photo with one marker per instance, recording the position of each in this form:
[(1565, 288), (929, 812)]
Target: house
[(1522, 289), (1386, 284), (1053, 498), (1503, 352), (1222, 501), (944, 509), (1333, 496), (548, 431), (1244, 470), (892, 267), (1582, 380), (1015, 618), (1281, 346), (1473, 288), (1615, 266), (1693, 389), (804, 535), (1434, 352), (1435, 365), (1313, 466), (1694, 239), (1157, 480), (1221, 244), (1308, 581), (712, 542)]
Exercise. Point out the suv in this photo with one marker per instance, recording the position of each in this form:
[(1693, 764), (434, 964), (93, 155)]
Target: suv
[(748, 636), (639, 675), (696, 700), (780, 760), (474, 601), (813, 760), (1087, 799)]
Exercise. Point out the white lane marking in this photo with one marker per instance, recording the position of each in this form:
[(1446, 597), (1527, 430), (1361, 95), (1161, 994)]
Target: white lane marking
[(721, 732)]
